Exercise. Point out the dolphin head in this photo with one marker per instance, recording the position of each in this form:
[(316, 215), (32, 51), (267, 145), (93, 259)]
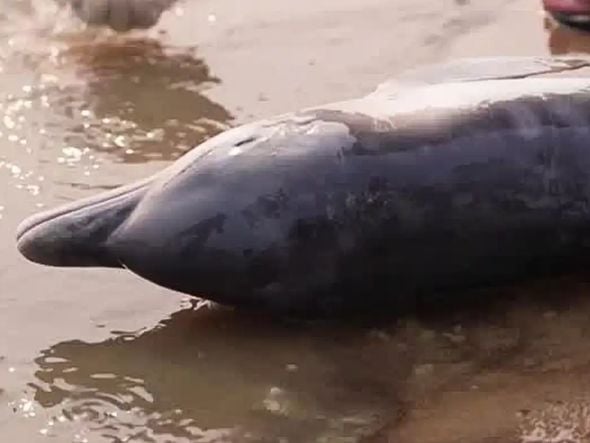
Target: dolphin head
[(188, 228), (240, 220)]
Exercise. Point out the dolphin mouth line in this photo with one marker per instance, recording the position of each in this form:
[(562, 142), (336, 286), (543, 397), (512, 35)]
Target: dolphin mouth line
[(39, 219)]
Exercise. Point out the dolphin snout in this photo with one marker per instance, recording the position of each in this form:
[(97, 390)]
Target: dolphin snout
[(66, 241), (77, 234)]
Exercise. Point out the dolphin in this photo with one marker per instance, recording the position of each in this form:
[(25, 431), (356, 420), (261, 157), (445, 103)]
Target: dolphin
[(451, 177)]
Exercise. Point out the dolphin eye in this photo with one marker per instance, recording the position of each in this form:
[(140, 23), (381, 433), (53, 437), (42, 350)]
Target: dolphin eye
[(246, 140)]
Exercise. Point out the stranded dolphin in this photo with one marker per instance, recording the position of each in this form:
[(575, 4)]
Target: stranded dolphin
[(452, 177)]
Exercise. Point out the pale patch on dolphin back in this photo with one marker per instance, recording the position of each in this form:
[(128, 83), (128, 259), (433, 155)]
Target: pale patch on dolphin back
[(479, 69)]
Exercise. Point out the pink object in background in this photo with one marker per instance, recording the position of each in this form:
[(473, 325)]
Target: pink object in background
[(574, 13), (567, 6)]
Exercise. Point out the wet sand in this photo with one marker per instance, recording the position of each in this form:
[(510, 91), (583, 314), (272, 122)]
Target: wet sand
[(102, 356)]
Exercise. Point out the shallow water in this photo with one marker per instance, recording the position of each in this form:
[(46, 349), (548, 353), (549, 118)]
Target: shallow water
[(101, 356)]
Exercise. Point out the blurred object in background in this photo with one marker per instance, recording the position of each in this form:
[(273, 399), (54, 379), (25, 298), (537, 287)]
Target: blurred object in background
[(565, 39), (574, 13), (121, 15)]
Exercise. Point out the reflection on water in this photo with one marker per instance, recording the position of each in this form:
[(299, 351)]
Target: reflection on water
[(214, 375), (73, 104), (133, 99), (203, 373), (146, 101)]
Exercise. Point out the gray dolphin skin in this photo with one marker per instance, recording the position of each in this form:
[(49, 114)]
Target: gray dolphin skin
[(449, 179)]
